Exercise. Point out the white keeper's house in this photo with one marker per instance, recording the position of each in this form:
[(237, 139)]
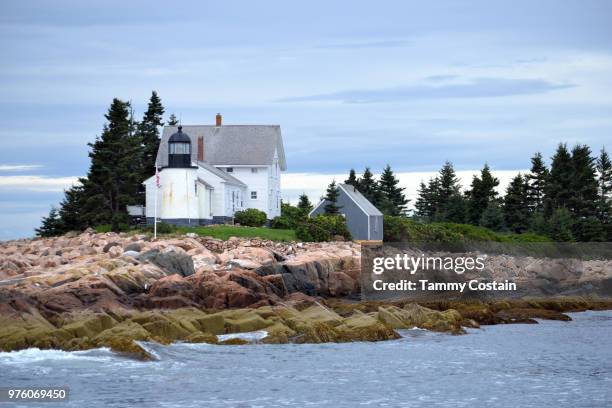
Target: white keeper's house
[(208, 172)]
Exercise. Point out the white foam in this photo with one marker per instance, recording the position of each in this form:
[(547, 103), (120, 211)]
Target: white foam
[(247, 336), (33, 355)]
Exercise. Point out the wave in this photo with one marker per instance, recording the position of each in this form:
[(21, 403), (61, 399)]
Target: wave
[(33, 355), (247, 336)]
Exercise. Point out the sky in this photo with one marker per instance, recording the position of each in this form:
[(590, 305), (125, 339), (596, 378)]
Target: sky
[(352, 84)]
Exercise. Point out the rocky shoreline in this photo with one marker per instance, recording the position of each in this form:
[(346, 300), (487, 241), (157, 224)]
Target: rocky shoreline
[(90, 290)]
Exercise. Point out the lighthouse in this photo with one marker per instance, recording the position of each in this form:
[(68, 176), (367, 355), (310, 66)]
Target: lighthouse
[(178, 192)]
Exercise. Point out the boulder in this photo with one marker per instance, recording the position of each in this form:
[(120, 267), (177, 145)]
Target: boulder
[(414, 315), (170, 261)]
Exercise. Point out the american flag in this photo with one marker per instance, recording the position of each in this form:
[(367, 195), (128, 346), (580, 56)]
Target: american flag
[(157, 177)]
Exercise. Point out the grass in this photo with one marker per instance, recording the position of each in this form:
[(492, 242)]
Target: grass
[(226, 231)]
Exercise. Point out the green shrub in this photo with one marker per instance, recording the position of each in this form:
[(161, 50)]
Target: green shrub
[(165, 228), (290, 217), (400, 229), (250, 217), (322, 228), (282, 222)]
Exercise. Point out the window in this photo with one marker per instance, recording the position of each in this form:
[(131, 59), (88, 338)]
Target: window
[(253, 169), (229, 169), (180, 148), (253, 195)]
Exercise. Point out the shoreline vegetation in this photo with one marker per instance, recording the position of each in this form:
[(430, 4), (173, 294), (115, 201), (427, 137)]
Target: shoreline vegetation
[(90, 290)]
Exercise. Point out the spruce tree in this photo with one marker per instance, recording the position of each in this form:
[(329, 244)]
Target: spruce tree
[(604, 182), (392, 198), (604, 200), (172, 120), (516, 205), (148, 130), (51, 225), (536, 180), (558, 188), (493, 217), (427, 203), (582, 201), (448, 183), (113, 180), (560, 225), (71, 209), (481, 194), (352, 179), (331, 199), (422, 204), (369, 187), (304, 205)]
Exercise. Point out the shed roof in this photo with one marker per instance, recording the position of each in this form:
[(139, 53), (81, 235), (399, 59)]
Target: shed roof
[(229, 145), (351, 192), (359, 199)]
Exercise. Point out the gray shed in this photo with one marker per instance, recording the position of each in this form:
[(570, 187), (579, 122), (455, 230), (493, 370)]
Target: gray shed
[(363, 220)]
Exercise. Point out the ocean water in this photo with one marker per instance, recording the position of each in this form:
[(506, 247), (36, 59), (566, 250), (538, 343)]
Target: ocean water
[(552, 364)]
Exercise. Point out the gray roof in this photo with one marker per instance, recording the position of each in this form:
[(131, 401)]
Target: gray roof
[(229, 145), (223, 174), (359, 199)]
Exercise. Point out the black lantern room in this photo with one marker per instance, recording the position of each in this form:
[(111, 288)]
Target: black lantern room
[(179, 150)]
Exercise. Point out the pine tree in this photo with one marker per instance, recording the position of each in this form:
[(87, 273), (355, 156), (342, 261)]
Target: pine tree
[(422, 204), (172, 120), (148, 131), (427, 203), (51, 225), (582, 201), (304, 205), (493, 217), (560, 225), (516, 205), (448, 183), (71, 209), (604, 182), (536, 180), (369, 187), (113, 180), (481, 194), (331, 199), (557, 189), (392, 198), (456, 209), (352, 179)]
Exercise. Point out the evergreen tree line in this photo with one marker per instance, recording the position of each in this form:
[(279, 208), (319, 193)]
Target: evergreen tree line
[(568, 201), (121, 158), (385, 193)]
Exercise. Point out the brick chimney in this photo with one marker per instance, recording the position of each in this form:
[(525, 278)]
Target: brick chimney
[(201, 148), (218, 119)]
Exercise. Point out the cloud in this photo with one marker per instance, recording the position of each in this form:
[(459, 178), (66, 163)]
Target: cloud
[(366, 44), (476, 88), (19, 167), (37, 183)]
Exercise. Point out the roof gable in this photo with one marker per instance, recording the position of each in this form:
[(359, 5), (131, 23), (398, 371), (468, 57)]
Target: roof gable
[(228, 145), (355, 196)]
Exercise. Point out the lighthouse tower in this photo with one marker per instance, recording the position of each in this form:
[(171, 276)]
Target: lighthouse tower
[(178, 192)]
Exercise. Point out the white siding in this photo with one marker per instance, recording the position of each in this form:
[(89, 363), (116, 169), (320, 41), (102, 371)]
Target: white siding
[(176, 197), (255, 182)]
